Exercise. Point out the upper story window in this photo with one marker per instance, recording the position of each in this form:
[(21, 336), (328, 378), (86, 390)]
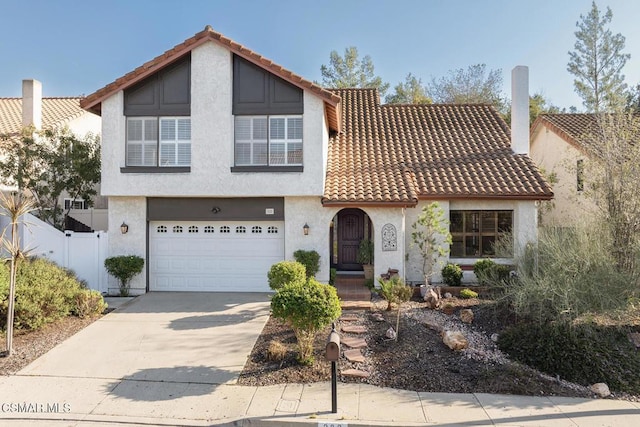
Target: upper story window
[(268, 141), (474, 233), (148, 136), (75, 204)]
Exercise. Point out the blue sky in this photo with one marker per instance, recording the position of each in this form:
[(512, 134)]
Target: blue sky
[(75, 47)]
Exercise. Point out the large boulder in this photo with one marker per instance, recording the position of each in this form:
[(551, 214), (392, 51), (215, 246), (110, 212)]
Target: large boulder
[(455, 340), (601, 389), (466, 315)]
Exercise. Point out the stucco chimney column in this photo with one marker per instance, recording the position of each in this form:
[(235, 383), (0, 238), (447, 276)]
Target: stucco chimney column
[(520, 109), (32, 103)]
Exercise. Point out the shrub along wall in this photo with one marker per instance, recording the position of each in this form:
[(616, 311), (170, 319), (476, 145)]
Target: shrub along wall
[(45, 293)]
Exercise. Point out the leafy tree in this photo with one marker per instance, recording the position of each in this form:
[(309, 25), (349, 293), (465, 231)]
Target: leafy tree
[(471, 86), (349, 71), (538, 104), (597, 62), (633, 100), (412, 91), (430, 235), (48, 164)]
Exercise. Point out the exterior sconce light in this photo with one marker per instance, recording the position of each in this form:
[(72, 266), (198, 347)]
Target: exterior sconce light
[(124, 228), (305, 229)]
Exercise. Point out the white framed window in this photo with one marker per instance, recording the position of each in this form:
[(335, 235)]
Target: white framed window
[(75, 204), (268, 141), (170, 136)]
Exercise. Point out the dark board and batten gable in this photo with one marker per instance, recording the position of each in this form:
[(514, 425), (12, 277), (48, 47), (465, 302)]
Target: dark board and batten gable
[(165, 93), (257, 91)]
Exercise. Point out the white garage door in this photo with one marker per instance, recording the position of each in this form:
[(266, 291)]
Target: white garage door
[(213, 256)]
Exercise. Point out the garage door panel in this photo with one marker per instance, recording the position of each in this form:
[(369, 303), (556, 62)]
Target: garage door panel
[(213, 256)]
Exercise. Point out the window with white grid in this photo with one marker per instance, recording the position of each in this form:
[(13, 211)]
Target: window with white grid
[(268, 141), (170, 136)]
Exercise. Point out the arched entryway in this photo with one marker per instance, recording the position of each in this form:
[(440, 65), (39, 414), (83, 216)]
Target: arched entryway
[(348, 228)]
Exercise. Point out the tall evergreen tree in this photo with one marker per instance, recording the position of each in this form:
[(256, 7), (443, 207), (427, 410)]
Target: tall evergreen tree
[(349, 71), (597, 62)]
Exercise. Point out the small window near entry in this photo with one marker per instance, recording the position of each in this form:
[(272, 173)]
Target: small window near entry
[(580, 175), (256, 229), (208, 229), (272, 230), (177, 229), (161, 229), (241, 229), (474, 233), (193, 229), (225, 229)]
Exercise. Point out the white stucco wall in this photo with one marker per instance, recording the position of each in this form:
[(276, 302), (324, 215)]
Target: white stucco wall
[(132, 211), (524, 230), (555, 155), (212, 143)]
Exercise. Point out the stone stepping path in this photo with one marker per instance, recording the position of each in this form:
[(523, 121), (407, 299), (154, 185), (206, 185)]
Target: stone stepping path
[(354, 355), (354, 329), (350, 318), (355, 373), (354, 342)]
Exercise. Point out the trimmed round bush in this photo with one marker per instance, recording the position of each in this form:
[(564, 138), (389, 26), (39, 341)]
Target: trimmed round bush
[(481, 269), (468, 294), (285, 272), (452, 274), (124, 268), (310, 260), (307, 308)]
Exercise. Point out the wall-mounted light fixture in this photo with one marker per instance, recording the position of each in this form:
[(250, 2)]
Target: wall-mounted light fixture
[(305, 229), (124, 228), (215, 209)]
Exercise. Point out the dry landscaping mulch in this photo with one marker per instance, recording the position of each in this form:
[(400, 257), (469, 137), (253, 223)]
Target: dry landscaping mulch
[(417, 361), (28, 346)]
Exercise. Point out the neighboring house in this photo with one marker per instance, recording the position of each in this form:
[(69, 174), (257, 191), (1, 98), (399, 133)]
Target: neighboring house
[(557, 147), (219, 163), (55, 113)]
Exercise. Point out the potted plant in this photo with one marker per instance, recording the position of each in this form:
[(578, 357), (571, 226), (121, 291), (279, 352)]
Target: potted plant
[(365, 257)]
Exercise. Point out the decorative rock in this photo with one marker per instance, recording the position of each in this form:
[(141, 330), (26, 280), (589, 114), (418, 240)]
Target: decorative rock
[(601, 389), (454, 340), (355, 373), (353, 342), (634, 337), (447, 295), (494, 337), (391, 333), (354, 355), (378, 317), (432, 299), (466, 315), (434, 326), (354, 329)]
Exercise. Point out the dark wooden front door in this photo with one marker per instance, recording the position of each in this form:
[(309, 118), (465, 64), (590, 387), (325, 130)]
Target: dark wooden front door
[(350, 233)]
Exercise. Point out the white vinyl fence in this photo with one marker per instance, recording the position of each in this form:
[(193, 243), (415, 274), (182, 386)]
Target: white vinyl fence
[(84, 253)]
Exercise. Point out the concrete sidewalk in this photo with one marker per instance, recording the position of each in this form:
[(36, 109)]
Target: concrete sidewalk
[(90, 402)]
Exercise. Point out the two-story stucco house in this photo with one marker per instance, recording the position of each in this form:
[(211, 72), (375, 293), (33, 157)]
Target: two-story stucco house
[(221, 163)]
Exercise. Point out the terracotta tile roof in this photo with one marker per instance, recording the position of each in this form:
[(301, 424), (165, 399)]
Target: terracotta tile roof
[(93, 101), (402, 153), (55, 112), (570, 127)]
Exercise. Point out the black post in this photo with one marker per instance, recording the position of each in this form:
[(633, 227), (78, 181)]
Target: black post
[(334, 387)]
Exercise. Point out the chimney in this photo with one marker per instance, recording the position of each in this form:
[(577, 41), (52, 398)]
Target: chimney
[(32, 103), (520, 109)]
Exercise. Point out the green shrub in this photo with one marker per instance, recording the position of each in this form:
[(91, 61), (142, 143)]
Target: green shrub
[(365, 252), (310, 260), (452, 274), (332, 276), (481, 269), (89, 303), (394, 291), (468, 294), (285, 272), (585, 353), (124, 268), (307, 308), (44, 293)]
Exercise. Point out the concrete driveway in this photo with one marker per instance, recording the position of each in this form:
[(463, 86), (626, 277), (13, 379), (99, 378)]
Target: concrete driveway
[(170, 337)]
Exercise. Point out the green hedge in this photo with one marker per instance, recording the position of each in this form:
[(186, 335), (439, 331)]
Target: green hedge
[(285, 272), (44, 294)]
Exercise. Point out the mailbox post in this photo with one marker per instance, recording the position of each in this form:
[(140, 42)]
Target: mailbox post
[(333, 354)]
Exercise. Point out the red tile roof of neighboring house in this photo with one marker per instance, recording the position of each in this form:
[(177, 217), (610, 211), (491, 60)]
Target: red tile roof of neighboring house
[(55, 112), (398, 154), (93, 101)]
